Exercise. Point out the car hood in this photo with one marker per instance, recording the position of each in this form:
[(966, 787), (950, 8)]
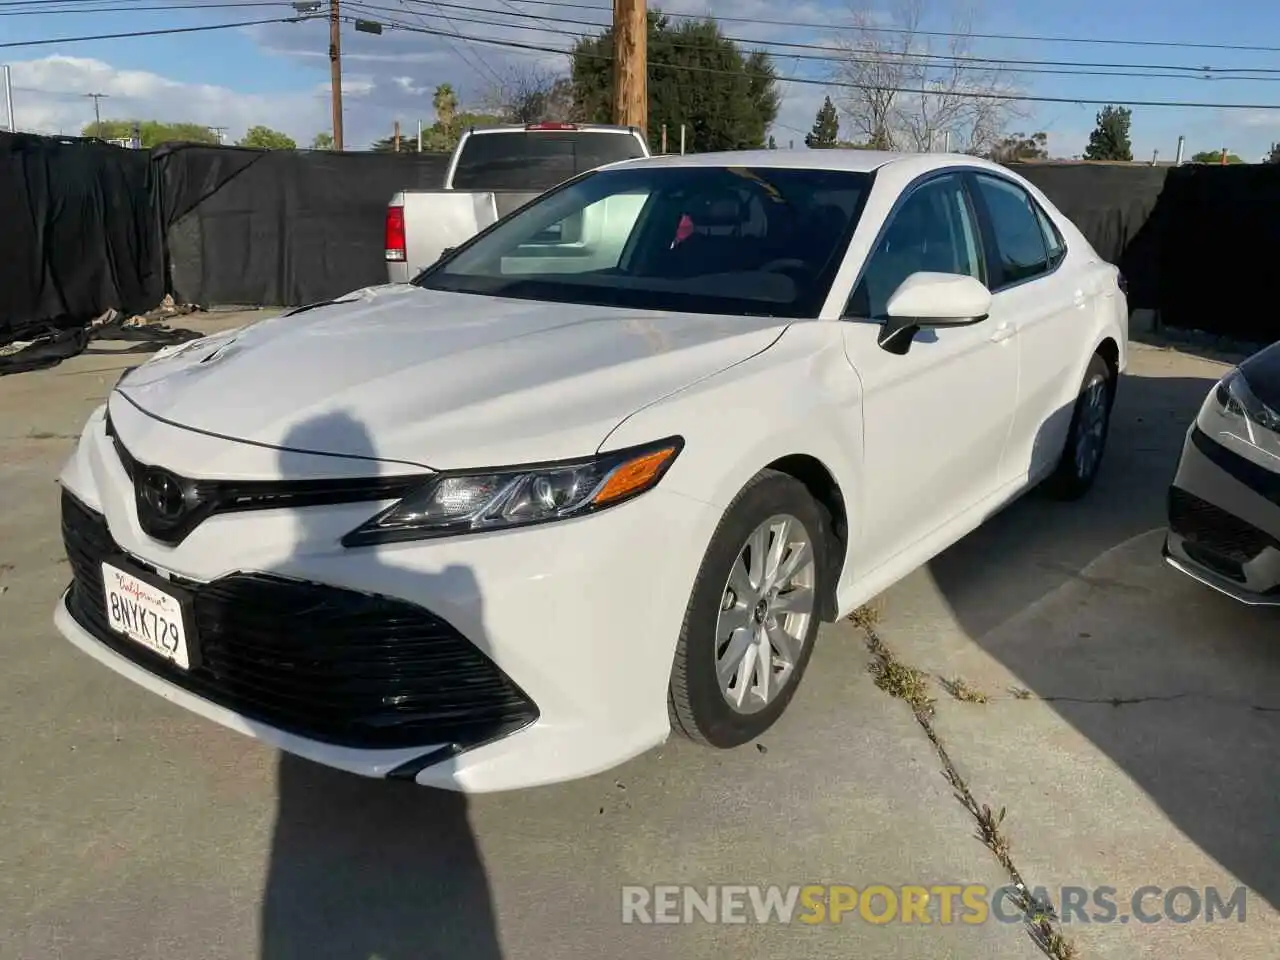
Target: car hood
[(444, 380), (1262, 373)]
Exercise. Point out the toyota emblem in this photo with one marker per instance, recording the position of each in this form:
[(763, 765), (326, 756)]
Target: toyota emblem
[(163, 494)]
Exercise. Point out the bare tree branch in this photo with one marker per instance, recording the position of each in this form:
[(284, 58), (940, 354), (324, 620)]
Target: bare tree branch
[(883, 68), (531, 95)]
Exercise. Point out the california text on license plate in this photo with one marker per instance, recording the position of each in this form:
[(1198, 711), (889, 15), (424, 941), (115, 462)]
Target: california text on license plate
[(145, 614)]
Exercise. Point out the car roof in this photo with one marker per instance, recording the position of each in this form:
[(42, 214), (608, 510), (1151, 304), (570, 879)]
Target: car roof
[(537, 128), (855, 161)]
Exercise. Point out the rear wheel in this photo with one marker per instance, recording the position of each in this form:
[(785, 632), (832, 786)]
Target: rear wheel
[(1087, 435), (753, 615)]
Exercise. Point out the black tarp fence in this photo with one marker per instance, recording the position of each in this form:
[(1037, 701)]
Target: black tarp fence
[(85, 226), (79, 233), (280, 228)]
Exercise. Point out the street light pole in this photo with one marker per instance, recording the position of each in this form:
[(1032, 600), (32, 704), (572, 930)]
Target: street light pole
[(8, 96)]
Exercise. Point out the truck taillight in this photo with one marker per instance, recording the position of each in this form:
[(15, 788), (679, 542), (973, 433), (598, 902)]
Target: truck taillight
[(395, 234)]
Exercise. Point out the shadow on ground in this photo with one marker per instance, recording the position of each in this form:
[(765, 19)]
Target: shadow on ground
[(364, 869), (1137, 631)]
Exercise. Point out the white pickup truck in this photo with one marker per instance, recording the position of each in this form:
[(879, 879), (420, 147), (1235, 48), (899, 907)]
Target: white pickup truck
[(493, 171)]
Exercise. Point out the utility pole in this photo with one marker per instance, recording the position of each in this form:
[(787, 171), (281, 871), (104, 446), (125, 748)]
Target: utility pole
[(97, 114), (630, 65), (335, 72), (419, 136), (397, 136), (8, 96)]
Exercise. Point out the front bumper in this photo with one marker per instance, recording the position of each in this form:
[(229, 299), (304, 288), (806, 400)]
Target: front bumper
[(549, 648), (1224, 522)]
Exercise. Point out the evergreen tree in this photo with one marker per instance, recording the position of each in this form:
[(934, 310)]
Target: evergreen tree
[(1110, 138), (826, 128), (725, 96)]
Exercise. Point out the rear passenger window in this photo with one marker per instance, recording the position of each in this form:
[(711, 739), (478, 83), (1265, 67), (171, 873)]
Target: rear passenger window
[(1052, 238), (1023, 253)]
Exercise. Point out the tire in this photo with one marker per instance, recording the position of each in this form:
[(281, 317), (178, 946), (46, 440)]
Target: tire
[(1090, 423), (700, 707)]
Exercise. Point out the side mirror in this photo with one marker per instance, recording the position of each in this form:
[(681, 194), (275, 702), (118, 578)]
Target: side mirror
[(932, 300)]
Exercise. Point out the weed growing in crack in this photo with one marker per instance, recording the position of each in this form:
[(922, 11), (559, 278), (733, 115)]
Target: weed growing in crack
[(960, 689), (989, 832), (899, 680), (907, 683), (865, 616)]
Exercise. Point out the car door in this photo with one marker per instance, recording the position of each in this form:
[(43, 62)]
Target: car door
[(1038, 294), (935, 419)]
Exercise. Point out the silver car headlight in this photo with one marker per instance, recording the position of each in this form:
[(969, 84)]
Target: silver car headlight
[(1232, 412), (459, 502)]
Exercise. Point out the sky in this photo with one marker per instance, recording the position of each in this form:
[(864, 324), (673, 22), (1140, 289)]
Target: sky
[(277, 74)]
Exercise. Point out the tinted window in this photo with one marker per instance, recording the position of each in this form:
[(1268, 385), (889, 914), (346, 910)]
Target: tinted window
[(702, 239), (1052, 238), (934, 230), (1018, 232), (516, 160)]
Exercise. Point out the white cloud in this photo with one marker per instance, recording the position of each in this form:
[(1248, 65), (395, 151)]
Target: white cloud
[(49, 98)]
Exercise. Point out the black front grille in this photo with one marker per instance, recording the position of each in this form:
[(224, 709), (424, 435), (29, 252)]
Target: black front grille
[(202, 499), (1213, 537), (335, 665)]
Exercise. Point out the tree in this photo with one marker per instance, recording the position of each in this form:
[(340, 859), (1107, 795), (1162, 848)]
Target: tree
[(1213, 156), (725, 98), (264, 138), (968, 103), (153, 132), (826, 128), (322, 141), (1019, 147), (1274, 156), (445, 102), (532, 95), (437, 138), (1110, 138)]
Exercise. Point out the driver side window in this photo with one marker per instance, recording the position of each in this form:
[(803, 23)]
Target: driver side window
[(934, 230)]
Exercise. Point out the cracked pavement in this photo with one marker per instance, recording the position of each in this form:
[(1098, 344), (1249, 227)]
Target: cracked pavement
[(1143, 755)]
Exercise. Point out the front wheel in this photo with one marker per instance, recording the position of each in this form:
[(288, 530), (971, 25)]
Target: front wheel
[(1087, 435), (753, 615)]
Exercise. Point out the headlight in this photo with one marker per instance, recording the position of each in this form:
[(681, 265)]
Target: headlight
[(475, 501), (1232, 410)]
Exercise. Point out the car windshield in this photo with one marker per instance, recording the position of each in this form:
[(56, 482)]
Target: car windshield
[(724, 240)]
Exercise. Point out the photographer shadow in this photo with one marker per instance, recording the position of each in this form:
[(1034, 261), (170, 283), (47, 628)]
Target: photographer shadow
[(365, 868)]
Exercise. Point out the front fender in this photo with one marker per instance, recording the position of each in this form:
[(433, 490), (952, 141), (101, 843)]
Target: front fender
[(798, 397)]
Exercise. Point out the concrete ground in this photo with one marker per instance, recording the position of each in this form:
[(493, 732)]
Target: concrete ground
[(1130, 731)]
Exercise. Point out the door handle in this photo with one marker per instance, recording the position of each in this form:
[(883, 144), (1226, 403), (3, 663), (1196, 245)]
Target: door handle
[(1079, 299), (1002, 332)]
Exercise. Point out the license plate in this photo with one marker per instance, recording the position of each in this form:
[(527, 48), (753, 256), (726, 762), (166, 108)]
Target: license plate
[(145, 614)]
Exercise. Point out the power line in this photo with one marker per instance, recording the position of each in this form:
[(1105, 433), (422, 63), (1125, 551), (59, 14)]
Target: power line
[(156, 33), (135, 9), (803, 24), (813, 25), (976, 95), (1023, 65), (921, 60)]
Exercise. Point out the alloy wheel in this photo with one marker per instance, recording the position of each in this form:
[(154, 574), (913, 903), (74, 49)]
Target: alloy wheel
[(765, 611)]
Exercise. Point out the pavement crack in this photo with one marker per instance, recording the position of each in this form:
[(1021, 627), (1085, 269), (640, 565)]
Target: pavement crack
[(1161, 698), (907, 683)]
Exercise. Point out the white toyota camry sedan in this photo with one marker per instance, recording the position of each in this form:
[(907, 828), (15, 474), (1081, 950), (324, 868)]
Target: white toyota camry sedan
[(597, 474)]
